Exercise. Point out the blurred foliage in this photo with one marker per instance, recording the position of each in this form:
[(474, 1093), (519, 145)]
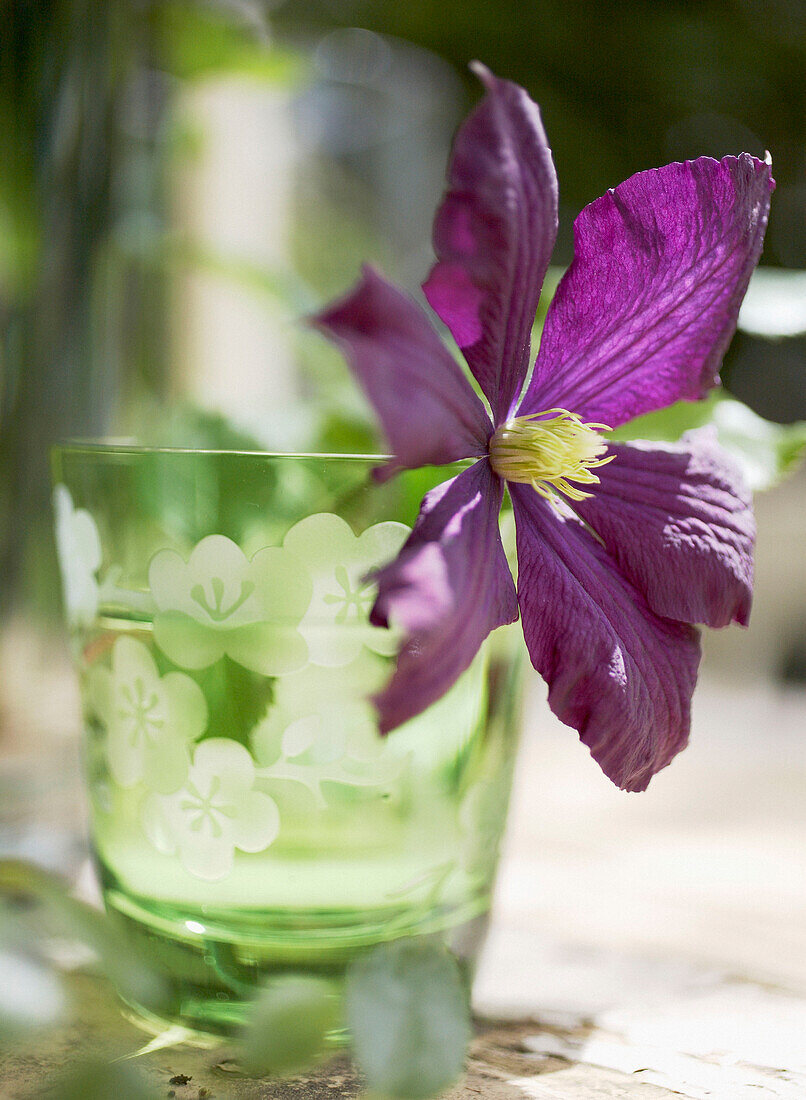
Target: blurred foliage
[(34, 906), (775, 304), (291, 1018), (406, 1003), (622, 88), (85, 248), (99, 1080), (407, 1010), (766, 452), (152, 423), (63, 65), (195, 42), (19, 225), (666, 81)]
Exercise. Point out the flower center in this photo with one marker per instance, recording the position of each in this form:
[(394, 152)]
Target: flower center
[(549, 450), (206, 808), (358, 600), (138, 712)]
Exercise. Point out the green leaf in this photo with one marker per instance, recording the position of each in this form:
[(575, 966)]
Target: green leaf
[(407, 1009), (64, 915), (236, 698), (671, 422), (289, 1024), (766, 452), (97, 1080)]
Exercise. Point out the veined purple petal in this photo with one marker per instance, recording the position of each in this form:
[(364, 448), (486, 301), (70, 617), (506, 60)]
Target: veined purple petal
[(447, 589), (678, 519), (493, 236), (427, 407), (619, 674), (645, 312)]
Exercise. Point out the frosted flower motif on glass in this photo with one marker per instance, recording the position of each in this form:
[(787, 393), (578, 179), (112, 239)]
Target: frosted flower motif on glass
[(219, 602), (320, 715), (150, 720), (78, 547), (336, 624), (216, 811)]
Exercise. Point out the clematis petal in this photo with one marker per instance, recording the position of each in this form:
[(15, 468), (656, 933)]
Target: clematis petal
[(447, 589), (619, 674), (679, 521), (493, 235), (427, 407), (645, 312)]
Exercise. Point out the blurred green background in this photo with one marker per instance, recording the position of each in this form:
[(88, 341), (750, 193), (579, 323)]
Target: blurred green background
[(183, 180)]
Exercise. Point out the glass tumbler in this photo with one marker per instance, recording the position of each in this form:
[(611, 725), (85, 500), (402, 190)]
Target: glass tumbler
[(247, 819)]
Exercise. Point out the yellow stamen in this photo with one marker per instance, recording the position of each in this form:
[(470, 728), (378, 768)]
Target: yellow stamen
[(549, 450)]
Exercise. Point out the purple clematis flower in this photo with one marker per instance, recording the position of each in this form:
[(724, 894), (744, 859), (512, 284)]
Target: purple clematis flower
[(621, 546)]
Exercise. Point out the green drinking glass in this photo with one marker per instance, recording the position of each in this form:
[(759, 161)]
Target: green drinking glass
[(247, 819)]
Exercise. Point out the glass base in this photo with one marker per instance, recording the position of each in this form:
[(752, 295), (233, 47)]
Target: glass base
[(213, 962)]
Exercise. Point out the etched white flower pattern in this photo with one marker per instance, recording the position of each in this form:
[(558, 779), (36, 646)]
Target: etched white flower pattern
[(219, 602), (324, 713), (336, 624), (78, 548), (322, 729), (150, 720), (215, 812), (298, 613)]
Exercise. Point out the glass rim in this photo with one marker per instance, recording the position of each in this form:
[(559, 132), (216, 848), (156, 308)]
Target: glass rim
[(114, 446)]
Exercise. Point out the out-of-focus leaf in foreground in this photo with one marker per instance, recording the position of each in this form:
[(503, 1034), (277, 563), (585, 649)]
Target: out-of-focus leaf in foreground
[(288, 1025), (65, 917), (407, 1009), (97, 1080), (766, 451)]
